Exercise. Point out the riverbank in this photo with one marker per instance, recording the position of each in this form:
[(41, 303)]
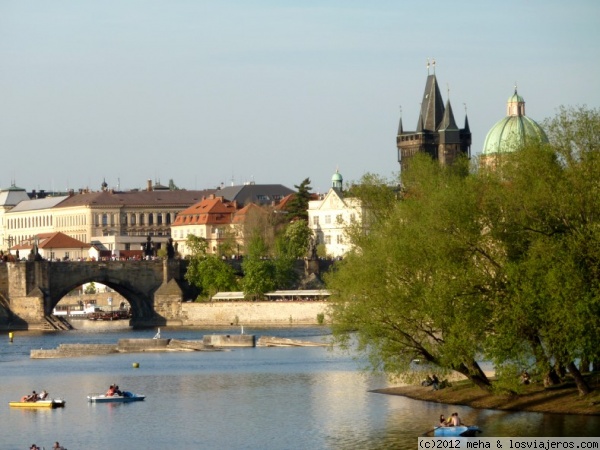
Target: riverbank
[(563, 399)]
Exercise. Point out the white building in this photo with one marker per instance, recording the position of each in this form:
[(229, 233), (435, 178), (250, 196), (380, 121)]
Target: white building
[(330, 216)]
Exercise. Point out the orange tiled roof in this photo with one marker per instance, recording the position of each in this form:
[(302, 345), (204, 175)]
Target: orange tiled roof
[(210, 211)]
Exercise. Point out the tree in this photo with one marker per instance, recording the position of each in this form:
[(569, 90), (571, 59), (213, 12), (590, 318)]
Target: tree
[(298, 206), (293, 241), (550, 203), (410, 288), (206, 271)]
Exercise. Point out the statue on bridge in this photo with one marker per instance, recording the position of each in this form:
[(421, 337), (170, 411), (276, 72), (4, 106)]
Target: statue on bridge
[(170, 249), (148, 248)]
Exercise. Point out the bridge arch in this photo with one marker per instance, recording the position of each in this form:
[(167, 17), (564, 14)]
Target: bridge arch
[(141, 308), (154, 289)]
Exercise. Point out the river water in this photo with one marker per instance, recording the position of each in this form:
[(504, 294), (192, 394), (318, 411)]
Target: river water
[(253, 398)]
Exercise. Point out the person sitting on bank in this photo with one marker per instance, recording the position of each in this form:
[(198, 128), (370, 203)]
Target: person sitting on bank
[(435, 382), (525, 378), (111, 391)]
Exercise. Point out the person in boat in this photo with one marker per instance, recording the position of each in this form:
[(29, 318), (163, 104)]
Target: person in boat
[(456, 422), (118, 391), (31, 397), (57, 446), (43, 395), (443, 422), (34, 447), (111, 391)]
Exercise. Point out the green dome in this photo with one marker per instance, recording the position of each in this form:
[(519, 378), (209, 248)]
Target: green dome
[(336, 180), (512, 133)]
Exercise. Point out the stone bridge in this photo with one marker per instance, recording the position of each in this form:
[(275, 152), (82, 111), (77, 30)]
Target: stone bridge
[(29, 291)]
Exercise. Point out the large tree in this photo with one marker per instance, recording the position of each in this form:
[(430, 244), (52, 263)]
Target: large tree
[(415, 285)]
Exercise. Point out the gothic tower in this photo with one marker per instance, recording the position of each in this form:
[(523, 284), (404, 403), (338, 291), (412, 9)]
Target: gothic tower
[(437, 133)]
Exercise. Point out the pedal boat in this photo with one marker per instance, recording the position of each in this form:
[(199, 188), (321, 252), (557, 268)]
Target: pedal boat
[(463, 431), (50, 403), (127, 397)]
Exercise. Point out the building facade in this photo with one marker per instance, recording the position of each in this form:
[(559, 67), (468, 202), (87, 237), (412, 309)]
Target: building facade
[(330, 217), (113, 220)]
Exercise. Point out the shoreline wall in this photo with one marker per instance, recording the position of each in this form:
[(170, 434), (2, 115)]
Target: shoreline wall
[(253, 313)]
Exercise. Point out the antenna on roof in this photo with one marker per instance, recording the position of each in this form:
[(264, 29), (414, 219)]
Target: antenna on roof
[(465, 105), (433, 64), (427, 66)]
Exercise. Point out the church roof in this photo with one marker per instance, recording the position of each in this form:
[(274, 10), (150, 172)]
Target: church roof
[(513, 131)]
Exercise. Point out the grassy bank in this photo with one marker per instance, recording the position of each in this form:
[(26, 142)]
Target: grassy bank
[(562, 399)]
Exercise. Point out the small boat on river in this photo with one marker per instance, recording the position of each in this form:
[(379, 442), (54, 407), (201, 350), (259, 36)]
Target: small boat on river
[(464, 431), (49, 403), (125, 398)]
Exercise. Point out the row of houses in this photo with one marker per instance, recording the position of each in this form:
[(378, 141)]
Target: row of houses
[(109, 223)]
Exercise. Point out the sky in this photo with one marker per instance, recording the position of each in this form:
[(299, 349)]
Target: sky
[(208, 93)]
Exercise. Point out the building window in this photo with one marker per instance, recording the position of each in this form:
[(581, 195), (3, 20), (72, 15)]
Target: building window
[(104, 219), (141, 219), (316, 220), (159, 219), (168, 218), (133, 219), (327, 218), (340, 239), (327, 239), (150, 219), (339, 219)]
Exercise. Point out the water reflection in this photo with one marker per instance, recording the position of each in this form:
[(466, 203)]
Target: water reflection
[(269, 398)]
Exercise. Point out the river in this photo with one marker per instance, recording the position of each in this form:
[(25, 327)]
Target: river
[(252, 398)]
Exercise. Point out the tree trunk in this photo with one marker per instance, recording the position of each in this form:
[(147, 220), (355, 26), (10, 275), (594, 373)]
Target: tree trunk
[(551, 378), (582, 386), (476, 375), (584, 365)]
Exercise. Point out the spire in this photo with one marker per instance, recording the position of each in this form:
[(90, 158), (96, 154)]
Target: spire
[(448, 122), (432, 107), (400, 128)]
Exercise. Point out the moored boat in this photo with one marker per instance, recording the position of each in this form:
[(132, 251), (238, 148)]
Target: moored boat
[(50, 403), (125, 398), (463, 431)]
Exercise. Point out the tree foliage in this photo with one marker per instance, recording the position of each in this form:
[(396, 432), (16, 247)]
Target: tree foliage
[(502, 264), (206, 271), (298, 206)]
